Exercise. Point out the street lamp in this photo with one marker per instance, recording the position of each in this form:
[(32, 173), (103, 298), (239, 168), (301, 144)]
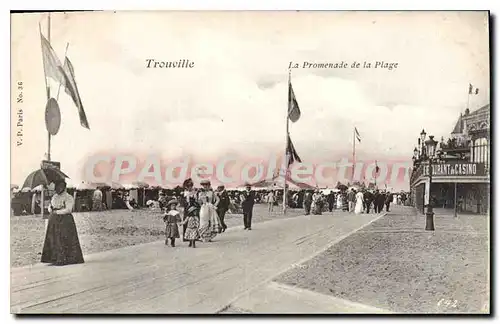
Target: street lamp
[(422, 135), (430, 146), (421, 142)]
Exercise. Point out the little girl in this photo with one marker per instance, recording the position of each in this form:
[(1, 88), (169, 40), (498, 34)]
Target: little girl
[(193, 223), (171, 218)]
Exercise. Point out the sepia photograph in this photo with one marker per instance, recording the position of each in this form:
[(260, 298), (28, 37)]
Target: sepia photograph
[(250, 162)]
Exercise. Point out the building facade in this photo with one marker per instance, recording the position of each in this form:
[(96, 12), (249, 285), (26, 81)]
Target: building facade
[(461, 177)]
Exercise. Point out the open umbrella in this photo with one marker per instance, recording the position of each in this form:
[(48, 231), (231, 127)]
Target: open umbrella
[(140, 184), (43, 177)]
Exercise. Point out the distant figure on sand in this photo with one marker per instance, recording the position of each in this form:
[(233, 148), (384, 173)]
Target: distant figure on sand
[(270, 200), (351, 198), (97, 200), (308, 202)]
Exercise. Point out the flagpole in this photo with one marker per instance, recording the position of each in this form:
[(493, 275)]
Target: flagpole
[(376, 167), (48, 90), (286, 140), (468, 95), (353, 153), (65, 55)]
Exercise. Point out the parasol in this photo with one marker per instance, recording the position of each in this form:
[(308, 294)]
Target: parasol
[(140, 184), (85, 186), (43, 177)]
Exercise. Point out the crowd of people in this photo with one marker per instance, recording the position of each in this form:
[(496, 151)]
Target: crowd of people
[(200, 212)]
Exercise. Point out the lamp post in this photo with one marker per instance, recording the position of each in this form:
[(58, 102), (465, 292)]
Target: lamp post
[(430, 149), (421, 142)]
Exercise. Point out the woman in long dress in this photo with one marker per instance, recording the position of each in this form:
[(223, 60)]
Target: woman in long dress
[(339, 201), (61, 246), (189, 199), (358, 209), (317, 203), (209, 220)]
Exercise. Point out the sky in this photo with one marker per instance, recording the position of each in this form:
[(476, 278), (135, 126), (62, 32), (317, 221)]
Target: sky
[(234, 100)]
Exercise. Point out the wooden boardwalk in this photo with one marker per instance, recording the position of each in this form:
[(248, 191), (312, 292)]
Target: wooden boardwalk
[(154, 278)]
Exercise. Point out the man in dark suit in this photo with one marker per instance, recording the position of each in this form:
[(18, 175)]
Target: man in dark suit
[(368, 197), (379, 201), (331, 200), (223, 205), (247, 202), (308, 202), (388, 199)]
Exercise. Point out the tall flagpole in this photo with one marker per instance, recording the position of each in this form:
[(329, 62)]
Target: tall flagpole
[(286, 140), (48, 90), (468, 95), (353, 153)]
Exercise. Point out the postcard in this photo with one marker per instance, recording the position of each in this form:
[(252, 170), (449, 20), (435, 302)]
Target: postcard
[(250, 162)]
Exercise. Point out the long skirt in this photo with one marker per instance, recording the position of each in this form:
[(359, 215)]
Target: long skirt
[(359, 207), (209, 222), (317, 208), (61, 246)]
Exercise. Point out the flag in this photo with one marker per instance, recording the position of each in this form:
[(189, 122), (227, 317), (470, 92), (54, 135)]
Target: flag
[(72, 90), (293, 106), (377, 169), (291, 153), (358, 137), (51, 64), (472, 90)]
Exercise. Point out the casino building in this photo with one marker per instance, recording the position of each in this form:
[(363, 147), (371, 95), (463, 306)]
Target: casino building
[(462, 173)]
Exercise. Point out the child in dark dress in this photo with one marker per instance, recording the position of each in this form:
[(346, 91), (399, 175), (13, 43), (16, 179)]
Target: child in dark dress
[(171, 218)]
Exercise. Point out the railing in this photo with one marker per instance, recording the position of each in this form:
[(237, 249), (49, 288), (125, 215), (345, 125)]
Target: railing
[(452, 145)]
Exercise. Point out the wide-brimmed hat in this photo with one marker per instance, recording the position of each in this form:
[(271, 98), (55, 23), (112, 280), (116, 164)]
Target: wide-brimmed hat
[(205, 182), (171, 202), (191, 210)]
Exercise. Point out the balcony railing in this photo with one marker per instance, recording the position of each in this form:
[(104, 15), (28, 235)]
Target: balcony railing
[(455, 146)]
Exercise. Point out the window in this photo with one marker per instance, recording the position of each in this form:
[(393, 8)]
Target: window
[(480, 151)]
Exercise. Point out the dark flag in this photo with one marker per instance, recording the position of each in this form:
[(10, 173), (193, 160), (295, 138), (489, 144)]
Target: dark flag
[(72, 90), (358, 137), (291, 153), (470, 88), (477, 90), (293, 106)]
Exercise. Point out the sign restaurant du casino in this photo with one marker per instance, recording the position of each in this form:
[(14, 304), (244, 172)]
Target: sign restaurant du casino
[(456, 170)]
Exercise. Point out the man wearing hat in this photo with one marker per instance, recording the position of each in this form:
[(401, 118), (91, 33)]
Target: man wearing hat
[(162, 199), (248, 200), (223, 205)]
